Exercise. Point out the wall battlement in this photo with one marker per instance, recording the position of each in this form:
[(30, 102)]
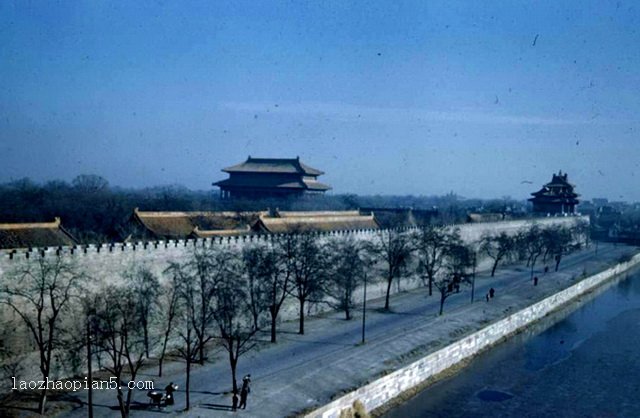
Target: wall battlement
[(165, 244), (470, 232)]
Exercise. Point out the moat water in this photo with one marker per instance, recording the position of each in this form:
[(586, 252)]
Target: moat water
[(582, 362)]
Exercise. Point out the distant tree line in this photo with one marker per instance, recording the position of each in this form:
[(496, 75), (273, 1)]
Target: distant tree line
[(93, 211)]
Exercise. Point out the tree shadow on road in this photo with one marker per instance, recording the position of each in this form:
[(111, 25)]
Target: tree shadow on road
[(216, 407)]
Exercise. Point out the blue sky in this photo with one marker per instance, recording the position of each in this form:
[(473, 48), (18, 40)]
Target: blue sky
[(423, 97)]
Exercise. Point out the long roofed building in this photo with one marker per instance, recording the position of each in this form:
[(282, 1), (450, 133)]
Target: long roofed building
[(555, 197), (35, 234), (197, 224), (270, 177), (319, 221)]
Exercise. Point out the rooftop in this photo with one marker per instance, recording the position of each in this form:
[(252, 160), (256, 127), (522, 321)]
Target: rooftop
[(183, 224), (321, 223), (39, 234), (274, 165)]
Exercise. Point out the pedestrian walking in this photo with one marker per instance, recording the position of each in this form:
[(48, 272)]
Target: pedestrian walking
[(492, 292), (243, 397), (535, 281), (487, 296)]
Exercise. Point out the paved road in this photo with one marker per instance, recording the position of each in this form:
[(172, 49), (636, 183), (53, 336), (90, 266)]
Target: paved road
[(303, 371)]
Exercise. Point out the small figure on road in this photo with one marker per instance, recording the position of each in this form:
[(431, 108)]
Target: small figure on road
[(487, 296), (535, 280), (492, 292), (234, 402), (245, 382), (169, 393), (546, 269), (243, 397)]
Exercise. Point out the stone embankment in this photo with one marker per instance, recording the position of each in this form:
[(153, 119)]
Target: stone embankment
[(385, 389)]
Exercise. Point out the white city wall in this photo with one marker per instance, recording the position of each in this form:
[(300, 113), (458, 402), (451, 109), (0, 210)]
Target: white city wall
[(108, 263), (383, 390)]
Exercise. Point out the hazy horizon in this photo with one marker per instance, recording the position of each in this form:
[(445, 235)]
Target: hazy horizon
[(415, 98)]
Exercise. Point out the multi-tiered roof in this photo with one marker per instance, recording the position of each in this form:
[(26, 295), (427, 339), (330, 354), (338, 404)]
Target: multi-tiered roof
[(270, 177), (557, 196)]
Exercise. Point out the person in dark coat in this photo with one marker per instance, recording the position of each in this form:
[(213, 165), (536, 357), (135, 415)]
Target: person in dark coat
[(492, 292), (535, 281), (245, 382), (169, 393), (243, 397)]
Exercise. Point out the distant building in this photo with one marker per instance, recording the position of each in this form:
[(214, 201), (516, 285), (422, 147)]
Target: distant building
[(282, 222), (31, 235), (487, 217), (270, 177), (401, 217), (555, 197), (181, 225)]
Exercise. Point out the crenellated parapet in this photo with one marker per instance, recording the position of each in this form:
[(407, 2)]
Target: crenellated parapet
[(469, 233)]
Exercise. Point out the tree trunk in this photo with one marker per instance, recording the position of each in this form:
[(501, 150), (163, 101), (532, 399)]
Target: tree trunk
[(42, 401), (273, 326), (442, 298), (430, 285), (255, 320), (233, 362), (123, 411), (558, 262), (386, 300), (201, 352), (495, 266), (188, 377), (146, 338), (127, 407), (301, 328), (162, 354)]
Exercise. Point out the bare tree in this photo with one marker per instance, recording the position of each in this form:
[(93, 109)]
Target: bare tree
[(170, 295), (12, 351), (268, 283), (531, 243), (345, 272), (497, 248), (431, 243), (395, 248), (301, 261), (557, 241), (582, 231), (256, 268), (203, 270), (459, 258), (231, 312), (147, 289), (120, 337), (40, 293), (90, 183), (188, 311)]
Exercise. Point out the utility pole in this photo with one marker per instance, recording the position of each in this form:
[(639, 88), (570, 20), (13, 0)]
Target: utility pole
[(473, 278), (89, 373), (364, 305)]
